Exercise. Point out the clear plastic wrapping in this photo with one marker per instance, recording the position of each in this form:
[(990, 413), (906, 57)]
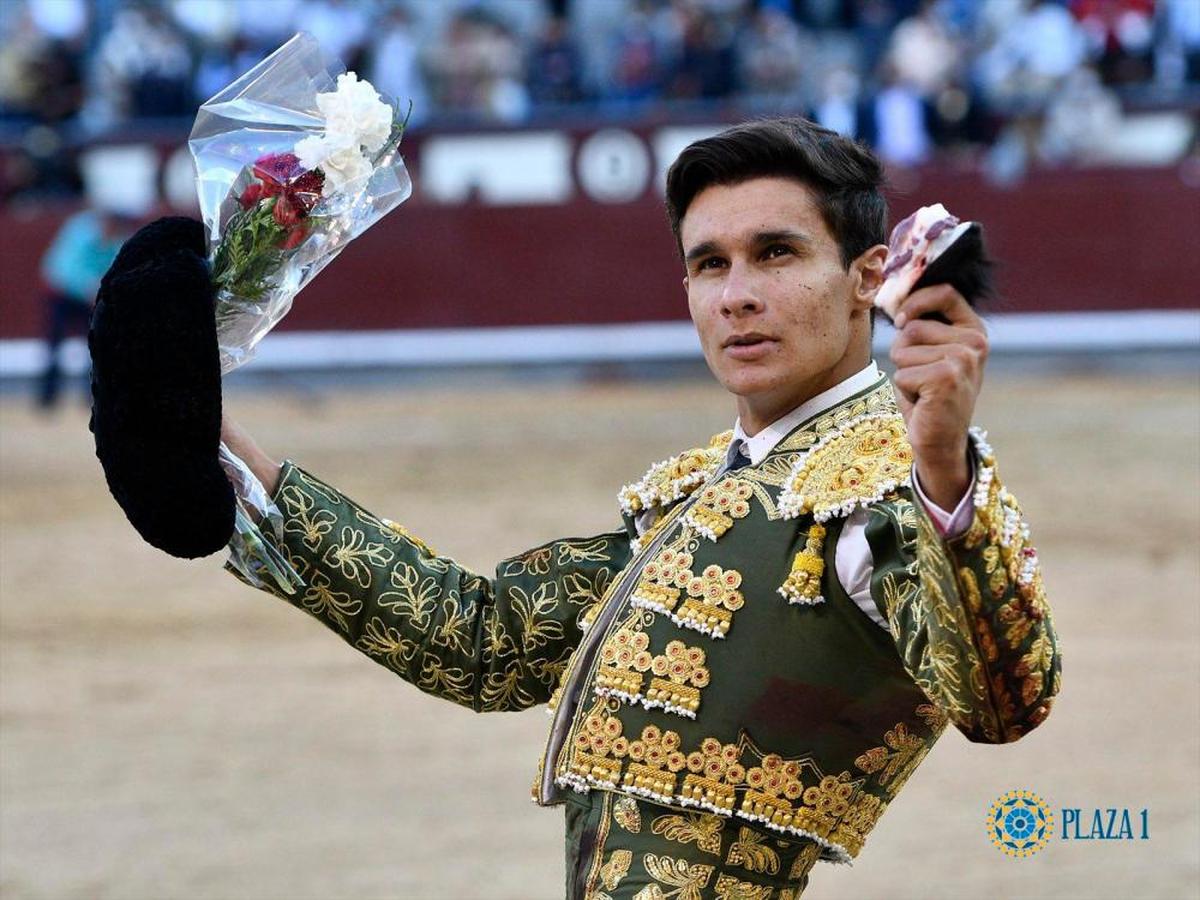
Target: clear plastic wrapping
[(294, 160)]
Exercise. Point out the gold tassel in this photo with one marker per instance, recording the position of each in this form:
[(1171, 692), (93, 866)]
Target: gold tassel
[(803, 584)]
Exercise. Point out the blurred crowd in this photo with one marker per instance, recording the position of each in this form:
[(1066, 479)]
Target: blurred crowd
[(907, 76)]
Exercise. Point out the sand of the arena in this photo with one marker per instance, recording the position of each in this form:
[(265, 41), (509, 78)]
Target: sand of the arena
[(169, 733)]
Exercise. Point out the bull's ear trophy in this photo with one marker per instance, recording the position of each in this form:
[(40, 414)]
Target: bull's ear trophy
[(156, 390)]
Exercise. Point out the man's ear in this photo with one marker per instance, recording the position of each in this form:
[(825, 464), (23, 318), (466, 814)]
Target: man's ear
[(685, 284), (868, 272)]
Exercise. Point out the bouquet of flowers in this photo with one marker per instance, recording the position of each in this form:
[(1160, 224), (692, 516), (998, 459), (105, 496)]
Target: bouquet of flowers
[(294, 160)]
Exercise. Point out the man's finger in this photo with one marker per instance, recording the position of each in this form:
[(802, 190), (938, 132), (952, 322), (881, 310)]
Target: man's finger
[(917, 355), (926, 332), (938, 298)]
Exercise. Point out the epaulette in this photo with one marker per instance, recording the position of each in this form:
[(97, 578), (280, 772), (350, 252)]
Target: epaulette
[(675, 478)]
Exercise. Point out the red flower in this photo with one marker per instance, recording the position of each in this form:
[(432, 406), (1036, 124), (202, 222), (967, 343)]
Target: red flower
[(279, 168), (287, 211), (293, 238), (251, 195)]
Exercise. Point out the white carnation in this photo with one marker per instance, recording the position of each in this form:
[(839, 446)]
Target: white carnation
[(354, 114), (345, 168), (355, 120)]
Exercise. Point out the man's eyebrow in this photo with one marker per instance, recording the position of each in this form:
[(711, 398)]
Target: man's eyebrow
[(704, 248), (770, 237)]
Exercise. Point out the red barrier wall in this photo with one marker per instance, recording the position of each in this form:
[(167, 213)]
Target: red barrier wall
[(1066, 240)]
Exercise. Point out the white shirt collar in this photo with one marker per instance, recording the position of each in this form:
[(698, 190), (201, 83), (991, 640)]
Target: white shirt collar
[(764, 442)]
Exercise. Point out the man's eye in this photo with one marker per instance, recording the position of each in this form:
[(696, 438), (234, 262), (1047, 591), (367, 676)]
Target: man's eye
[(711, 262), (776, 250)]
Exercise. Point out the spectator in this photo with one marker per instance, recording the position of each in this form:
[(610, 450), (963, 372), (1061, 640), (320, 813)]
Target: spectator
[(705, 69), (838, 107), (896, 122), (1028, 59), (340, 27), (1081, 120), (79, 255), (395, 62), (923, 53), (1121, 36), (770, 58), (143, 68), (637, 74), (555, 66)]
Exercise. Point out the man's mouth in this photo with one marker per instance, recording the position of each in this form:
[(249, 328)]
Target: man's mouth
[(747, 346)]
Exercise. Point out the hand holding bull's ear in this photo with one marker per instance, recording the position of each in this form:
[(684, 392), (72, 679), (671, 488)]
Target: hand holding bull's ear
[(156, 390)]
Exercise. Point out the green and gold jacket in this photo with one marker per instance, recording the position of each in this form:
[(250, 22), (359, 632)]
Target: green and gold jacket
[(714, 661)]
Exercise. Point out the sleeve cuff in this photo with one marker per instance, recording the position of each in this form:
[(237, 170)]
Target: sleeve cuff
[(950, 524)]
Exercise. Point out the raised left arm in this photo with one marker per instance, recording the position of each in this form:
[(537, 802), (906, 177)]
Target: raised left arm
[(977, 635)]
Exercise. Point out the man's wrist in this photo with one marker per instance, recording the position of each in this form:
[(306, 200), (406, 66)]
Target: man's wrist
[(944, 479)]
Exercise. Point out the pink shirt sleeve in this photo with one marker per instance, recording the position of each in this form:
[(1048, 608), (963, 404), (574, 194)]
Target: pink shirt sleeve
[(950, 524)]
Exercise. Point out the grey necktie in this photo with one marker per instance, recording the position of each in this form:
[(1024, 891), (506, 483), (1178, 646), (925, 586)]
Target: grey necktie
[(735, 457)]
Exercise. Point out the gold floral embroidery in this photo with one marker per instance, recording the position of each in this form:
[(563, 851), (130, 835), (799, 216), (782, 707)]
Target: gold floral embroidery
[(387, 643), (321, 600), (750, 851), (702, 829), (713, 512), (534, 611), (897, 759), (446, 681), (302, 520), (688, 878), (804, 861), (355, 556), (626, 814), (856, 465), (413, 596), (730, 888), (616, 868)]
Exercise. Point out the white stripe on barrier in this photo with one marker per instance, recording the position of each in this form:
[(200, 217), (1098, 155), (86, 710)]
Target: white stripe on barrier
[(1013, 332)]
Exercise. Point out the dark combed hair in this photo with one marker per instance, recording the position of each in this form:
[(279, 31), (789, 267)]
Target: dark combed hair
[(845, 176)]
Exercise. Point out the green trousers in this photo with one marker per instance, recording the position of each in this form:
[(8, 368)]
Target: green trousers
[(619, 847)]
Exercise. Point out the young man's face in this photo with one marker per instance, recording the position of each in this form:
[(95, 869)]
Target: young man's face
[(779, 318)]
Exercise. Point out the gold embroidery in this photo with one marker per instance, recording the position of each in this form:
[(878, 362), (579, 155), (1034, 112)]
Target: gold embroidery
[(832, 809), (718, 505), (678, 674), (730, 888), (355, 556), (301, 519), (902, 753), (412, 597), (856, 465), (626, 814), (321, 600), (708, 599), (803, 584), (408, 536), (675, 478), (714, 773), (804, 861), (699, 828), (388, 643), (686, 877), (616, 868), (750, 851)]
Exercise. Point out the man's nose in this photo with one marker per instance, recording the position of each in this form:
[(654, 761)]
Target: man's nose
[(738, 297)]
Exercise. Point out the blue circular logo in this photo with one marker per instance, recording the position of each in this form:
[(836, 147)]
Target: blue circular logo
[(1020, 823)]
